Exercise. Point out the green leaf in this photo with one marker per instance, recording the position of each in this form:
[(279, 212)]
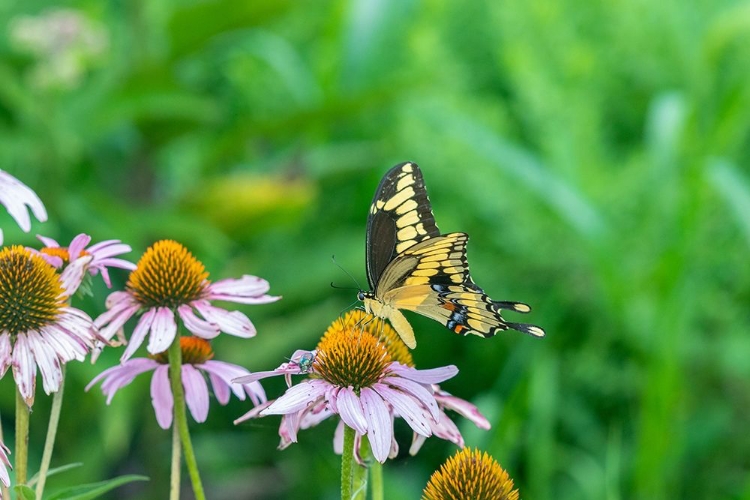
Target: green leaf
[(94, 490), (56, 470), (24, 492)]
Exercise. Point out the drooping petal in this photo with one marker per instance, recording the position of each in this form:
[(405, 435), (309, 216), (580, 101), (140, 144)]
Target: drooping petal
[(298, 397), (379, 426), (4, 476), (139, 334), (446, 429), (15, 196), (5, 353), (226, 373), (431, 376), (350, 409), (48, 242), (462, 407), (197, 326), (196, 392), (231, 322), (72, 276), (163, 330), (24, 368), (161, 396), (417, 390), (407, 408), (121, 307), (119, 376), (47, 360), (246, 290), (255, 412)]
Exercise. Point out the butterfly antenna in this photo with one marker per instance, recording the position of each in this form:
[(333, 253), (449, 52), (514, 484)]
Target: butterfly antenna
[(333, 258)]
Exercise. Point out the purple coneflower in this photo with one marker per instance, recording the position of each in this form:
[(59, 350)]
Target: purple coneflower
[(37, 326), (196, 358), (470, 475), (17, 198), (102, 254), (361, 371), (4, 464), (168, 280)]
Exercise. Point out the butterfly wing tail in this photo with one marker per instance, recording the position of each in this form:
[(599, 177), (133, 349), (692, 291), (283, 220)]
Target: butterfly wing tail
[(526, 328), (510, 306)]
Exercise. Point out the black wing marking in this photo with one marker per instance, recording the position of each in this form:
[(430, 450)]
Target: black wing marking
[(400, 217)]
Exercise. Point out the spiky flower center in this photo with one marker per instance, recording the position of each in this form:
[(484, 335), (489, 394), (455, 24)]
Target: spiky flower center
[(30, 291), (167, 275), (378, 328), (195, 351), (470, 475), (349, 355)]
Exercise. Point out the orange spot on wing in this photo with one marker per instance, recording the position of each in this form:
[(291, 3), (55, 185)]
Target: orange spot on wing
[(450, 306), (459, 329)]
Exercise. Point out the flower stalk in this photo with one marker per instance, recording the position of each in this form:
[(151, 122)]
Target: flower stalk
[(180, 416), (22, 438), (347, 464), (49, 443), (174, 480)]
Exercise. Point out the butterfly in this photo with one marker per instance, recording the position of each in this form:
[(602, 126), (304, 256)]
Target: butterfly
[(412, 267)]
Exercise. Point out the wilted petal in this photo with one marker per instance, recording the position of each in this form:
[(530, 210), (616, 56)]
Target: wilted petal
[(73, 274), (462, 407), (5, 353), (47, 360), (24, 369)]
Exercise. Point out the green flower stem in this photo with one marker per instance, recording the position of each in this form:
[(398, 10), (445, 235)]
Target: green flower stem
[(22, 439), (49, 444), (180, 416), (359, 480), (347, 463), (376, 480), (174, 480)]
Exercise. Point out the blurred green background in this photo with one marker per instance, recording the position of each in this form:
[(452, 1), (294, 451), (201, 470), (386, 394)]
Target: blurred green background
[(596, 152)]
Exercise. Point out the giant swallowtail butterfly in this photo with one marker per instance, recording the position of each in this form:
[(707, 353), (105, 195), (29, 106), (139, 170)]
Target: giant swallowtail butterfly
[(411, 266)]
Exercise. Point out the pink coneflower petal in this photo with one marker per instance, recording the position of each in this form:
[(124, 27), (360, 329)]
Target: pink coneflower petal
[(161, 396), (350, 409), (231, 322), (47, 360), (4, 476), (298, 397), (196, 392), (139, 333), (48, 242), (72, 276), (163, 330), (255, 412), (416, 416), (121, 307), (5, 354), (418, 391), (246, 290), (77, 245), (24, 368), (197, 326), (15, 196), (431, 376), (446, 429), (119, 376), (379, 425), (222, 374), (462, 407)]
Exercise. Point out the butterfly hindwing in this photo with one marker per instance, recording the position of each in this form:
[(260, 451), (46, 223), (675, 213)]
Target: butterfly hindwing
[(400, 217)]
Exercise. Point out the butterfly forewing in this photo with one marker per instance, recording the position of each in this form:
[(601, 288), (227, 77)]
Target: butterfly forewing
[(400, 217)]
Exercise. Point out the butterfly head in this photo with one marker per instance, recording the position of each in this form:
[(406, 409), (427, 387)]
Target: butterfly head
[(362, 295)]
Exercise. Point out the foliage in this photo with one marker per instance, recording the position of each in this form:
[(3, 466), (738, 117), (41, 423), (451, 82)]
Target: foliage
[(596, 153)]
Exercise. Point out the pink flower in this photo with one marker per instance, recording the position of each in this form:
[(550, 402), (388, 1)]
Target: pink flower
[(17, 198), (37, 326), (102, 255), (355, 378), (4, 464), (196, 358), (169, 281)]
